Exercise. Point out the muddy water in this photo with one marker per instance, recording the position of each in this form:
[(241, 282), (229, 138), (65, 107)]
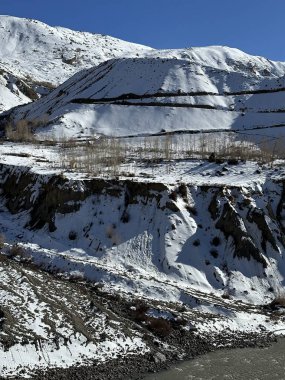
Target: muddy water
[(239, 364)]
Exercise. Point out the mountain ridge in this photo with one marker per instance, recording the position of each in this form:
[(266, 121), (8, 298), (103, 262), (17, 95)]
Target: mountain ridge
[(42, 56)]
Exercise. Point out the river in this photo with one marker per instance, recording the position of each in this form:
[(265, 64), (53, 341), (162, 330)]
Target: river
[(237, 364)]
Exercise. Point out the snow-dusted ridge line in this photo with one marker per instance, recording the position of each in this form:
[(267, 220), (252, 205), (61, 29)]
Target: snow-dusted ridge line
[(42, 56), (217, 87), (25, 40)]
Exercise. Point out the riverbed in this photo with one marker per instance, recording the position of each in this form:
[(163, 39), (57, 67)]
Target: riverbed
[(236, 364)]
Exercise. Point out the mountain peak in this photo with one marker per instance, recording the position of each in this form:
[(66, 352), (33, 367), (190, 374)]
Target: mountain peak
[(53, 54)]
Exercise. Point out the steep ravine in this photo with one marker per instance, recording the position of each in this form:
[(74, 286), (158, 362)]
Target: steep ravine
[(166, 271)]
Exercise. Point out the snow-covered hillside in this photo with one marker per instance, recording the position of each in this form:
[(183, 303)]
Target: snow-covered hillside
[(30, 48), (215, 88), (152, 91), (128, 251), (44, 56), (14, 91)]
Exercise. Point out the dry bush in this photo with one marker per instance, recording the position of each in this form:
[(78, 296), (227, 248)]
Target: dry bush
[(104, 155), (2, 240), (278, 301), (97, 156), (139, 314), (23, 130), (159, 326), (20, 132), (16, 250)]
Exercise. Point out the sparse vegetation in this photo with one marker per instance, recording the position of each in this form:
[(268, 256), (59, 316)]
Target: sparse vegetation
[(72, 235), (214, 253), (159, 326), (23, 130), (105, 155), (16, 250), (196, 243), (20, 132), (277, 303), (2, 241), (216, 241)]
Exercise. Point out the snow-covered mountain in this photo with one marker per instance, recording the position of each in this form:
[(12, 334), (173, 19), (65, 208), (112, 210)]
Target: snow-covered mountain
[(45, 56), (135, 89), (214, 88), (161, 258)]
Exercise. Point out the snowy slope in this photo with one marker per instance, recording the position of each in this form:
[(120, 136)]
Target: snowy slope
[(46, 323), (44, 53), (191, 236), (215, 88), (45, 56), (184, 226), (14, 91), (183, 239)]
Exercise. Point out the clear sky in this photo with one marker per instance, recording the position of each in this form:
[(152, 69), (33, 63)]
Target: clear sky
[(254, 26)]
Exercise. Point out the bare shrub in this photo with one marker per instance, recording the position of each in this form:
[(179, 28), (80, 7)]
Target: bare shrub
[(216, 241), (105, 155), (72, 235), (16, 250), (21, 132), (196, 243), (279, 301), (2, 240), (159, 326), (95, 156), (112, 234), (139, 314)]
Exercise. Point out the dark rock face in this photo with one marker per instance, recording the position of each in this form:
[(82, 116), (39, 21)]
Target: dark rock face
[(44, 196), (17, 189), (232, 225), (280, 210), (229, 211), (258, 217), (53, 198)]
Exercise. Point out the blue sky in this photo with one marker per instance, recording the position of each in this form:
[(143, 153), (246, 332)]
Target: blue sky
[(255, 26)]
